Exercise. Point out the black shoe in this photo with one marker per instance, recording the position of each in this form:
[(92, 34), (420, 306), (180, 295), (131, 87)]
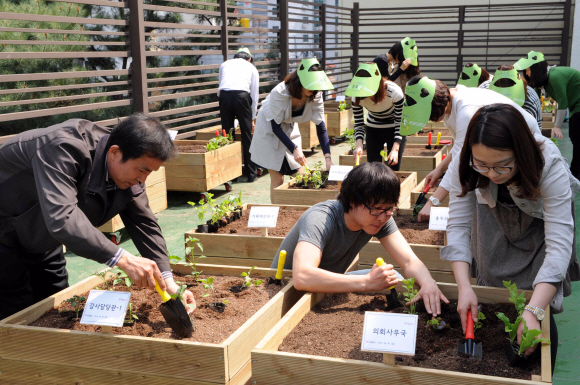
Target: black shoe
[(252, 179)]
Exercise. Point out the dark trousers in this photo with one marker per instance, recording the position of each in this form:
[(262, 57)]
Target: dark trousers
[(574, 133), (376, 139), (238, 105), (553, 341), (28, 278)]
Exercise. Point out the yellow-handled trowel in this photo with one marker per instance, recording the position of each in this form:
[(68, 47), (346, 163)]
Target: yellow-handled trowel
[(175, 314)]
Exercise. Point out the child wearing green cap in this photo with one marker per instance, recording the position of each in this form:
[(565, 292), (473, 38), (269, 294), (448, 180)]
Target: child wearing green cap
[(563, 85), (277, 145)]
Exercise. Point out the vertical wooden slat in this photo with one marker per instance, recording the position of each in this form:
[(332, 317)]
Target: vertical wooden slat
[(224, 30), (139, 67), (355, 37), (323, 41), (566, 32), (284, 38)]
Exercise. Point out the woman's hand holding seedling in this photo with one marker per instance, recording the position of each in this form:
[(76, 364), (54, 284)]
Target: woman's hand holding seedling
[(381, 277), (543, 293), (142, 271), (358, 151), (393, 158)]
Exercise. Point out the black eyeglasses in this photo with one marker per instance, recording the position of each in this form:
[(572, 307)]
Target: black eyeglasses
[(378, 212), (485, 169)]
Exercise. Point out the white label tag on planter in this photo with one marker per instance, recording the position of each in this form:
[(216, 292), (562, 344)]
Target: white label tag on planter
[(172, 134), (340, 98), (338, 173), (389, 333), (261, 216), (438, 218), (106, 308)]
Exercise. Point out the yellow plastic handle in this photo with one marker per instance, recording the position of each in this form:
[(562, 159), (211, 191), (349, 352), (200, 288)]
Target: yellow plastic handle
[(281, 262), (164, 295), (381, 262), (358, 160), (438, 138)]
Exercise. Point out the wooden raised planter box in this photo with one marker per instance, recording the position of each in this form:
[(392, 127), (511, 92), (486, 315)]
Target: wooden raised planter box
[(547, 132), (548, 116), (204, 171), (156, 190), (308, 134), (419, 189), (250, 250), (271, 367), (285, 195), (208, 133), (39, 355), (338, 121)]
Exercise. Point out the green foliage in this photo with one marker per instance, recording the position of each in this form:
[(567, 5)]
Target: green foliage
[(193, 259), (200, 210), (416, 210), (479, 324), (239, 203), (103, 276), (123, 277), (555, 141), (409, 295), (511, 328), (384, 154), (519, 301), (220, 141), (349, 135), (76, 302), (434, 323), (131, 317), (313, 176), (342, 106), (529, 338), (248, 281), (208, 285)]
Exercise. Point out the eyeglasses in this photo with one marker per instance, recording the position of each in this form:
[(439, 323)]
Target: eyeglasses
[(378, 212), (485, 169)]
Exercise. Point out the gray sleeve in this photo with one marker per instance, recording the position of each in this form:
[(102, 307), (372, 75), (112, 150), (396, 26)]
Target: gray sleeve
[(315, 228), (389, 228)]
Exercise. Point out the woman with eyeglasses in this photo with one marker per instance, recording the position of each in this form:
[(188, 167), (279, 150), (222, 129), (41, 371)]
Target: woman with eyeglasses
[(511, 216)]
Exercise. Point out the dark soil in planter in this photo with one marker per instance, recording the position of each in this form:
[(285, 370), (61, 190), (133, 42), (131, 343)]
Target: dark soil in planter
[(210, 326), (333, 185), (443, 131), (418, 232), (419, 151), (333, 328), (192, 149)]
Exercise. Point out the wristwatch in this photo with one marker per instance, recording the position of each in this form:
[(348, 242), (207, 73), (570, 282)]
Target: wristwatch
[(434, 200), (538, 312)]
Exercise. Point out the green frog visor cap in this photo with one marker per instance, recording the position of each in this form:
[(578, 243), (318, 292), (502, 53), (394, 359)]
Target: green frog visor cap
[(469, 76), (361, 85), (313, 80), (526, 62), (244, 49), (516, 91), (417, 107), (410, 50)]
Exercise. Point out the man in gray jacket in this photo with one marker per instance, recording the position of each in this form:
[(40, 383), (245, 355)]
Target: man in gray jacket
[(58, 184)]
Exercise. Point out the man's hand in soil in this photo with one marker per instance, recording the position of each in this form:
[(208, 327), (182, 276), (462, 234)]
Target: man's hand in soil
[(432, 297), (172, 288), (381, 277), (142, 271)]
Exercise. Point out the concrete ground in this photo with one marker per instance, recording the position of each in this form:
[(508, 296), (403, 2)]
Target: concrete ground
[(180, 217)]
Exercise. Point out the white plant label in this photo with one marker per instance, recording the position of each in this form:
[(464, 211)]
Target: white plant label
[(438, 218), (262, 216), (106, 308), (340, 98), (338, 173), (390, 333)]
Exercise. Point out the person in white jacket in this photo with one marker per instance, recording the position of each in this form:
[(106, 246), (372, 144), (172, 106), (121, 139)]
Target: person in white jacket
[(511, 216)]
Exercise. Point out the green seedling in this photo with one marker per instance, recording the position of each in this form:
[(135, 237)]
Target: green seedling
[(208, 285), (555, 140), (479, 324), (519, 301), (416, 210), (238, 201), (180, 294), (409, 295), (123, 277), (349, 135), (190, 252), (385, 155), (200, 210), (103, 275), (131, 317), (248, 281), (511, 328), (529, 338), (76, 302)]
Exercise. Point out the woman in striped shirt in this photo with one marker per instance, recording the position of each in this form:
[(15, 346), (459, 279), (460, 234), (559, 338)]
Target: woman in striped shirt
[(532, 103), (383, 119)]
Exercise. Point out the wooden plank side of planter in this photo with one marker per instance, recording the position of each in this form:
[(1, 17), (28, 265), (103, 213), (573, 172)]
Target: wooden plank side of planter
[(207, 133), (419, 189), (203, 158), (273, 367), (424, 140), (285, 195), (202, 185), (422, 163), (337, 122), (308, 135), (189, 170)]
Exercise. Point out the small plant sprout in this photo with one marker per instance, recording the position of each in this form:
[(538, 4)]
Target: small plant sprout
[(479, 324), (123, 277), (416, 209), (529, 338), (200, 210), (409, 295), (76, 302), (131, 317), (437, 324), (208, 285), (519, 301), (238, 201), (190, 252), (248, 281), (180, 294), (385, 155), (103, 275)]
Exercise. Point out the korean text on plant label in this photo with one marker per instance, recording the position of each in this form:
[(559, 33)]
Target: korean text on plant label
[(261, 216), (338, 173), (105, 308), (438, 218), (389, 333)]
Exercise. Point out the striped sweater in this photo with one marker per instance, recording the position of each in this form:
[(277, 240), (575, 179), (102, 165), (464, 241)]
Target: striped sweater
[(385, 115), (531, 106)]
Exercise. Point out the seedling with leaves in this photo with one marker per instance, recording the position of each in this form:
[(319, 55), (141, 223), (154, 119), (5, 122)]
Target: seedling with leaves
[(131, 317), (76, 302), (343, 106), (208, 285), (200, 210), (349, 135), (123, 277), (479, 324), (239, 203), (519, 301), (409, 295), (385, 155), (416, 210), (248, 281), (103, 275), (190, 252), (529, 338)]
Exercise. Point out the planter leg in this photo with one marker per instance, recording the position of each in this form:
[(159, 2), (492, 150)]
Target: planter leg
[(389, 359), (107, 329)]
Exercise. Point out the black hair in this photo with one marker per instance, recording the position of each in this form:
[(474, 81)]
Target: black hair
[(244, 55), (370, 183), (140, 135), (396, 52), (539, 72)]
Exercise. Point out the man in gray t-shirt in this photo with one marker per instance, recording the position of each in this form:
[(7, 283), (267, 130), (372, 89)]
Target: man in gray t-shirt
[(329, 235)]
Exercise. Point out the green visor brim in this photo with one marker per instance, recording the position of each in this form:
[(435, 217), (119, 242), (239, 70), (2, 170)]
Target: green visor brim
[(411, 126), (316, 81)]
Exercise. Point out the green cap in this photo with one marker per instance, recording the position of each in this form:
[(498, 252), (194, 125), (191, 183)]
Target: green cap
[(470, 76), (244, 49), (410, 50), (516, 91), (526, 62), (313, 80), (417, 107), (363, 86)]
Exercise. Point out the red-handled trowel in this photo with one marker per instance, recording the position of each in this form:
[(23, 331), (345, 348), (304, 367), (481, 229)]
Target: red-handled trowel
[(469, 347), (175, 314)]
